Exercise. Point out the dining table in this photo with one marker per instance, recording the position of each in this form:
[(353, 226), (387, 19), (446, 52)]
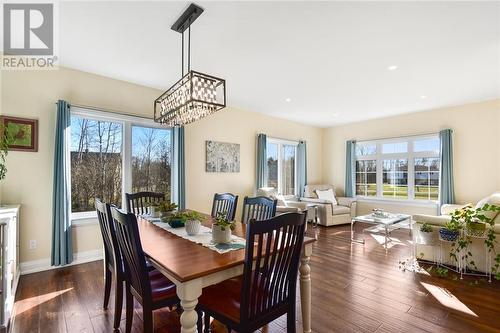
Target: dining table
[(193, 267)]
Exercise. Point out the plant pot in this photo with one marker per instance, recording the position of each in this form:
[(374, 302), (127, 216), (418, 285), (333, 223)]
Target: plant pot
[(448, 235), (426, 238), (193, 227), (166, 214), (154, 212), (177, 223), (476, 229), (220, 236)]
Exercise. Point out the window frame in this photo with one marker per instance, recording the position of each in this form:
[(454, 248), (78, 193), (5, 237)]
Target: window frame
[(280, 143), (410, 155), (127, 121)]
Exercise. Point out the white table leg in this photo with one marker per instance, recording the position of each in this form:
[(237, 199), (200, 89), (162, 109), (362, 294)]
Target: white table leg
[(305, 288), (188, 293)]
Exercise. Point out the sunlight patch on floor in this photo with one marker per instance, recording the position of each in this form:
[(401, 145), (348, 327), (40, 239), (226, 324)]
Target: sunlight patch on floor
[(446, 298), (29, 303), (391, 242)]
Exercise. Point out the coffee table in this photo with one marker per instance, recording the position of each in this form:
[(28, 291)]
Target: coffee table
[(389, 223)]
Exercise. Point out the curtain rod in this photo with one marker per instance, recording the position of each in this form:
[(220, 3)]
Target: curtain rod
[(95, 108), (398, 136)]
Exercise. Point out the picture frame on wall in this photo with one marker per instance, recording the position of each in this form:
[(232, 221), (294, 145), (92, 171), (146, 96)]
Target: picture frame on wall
[(22, 131), (222, 157)]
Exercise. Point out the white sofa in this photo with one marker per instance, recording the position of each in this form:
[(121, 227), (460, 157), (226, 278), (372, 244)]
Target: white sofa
[(436, 222), (286, 204), (330, 214)]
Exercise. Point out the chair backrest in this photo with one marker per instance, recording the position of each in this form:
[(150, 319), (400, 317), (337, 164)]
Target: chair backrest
[(112, 254), (271, 282), (258, 208), (310, 189), (138, 203), (225, 202), (127, 233)]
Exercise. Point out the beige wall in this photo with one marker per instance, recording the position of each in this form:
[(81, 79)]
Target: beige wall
[(241, 127), (32, 94), (476, 147)]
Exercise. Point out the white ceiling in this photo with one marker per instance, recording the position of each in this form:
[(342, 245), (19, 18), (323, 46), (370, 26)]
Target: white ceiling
[(330, 59)]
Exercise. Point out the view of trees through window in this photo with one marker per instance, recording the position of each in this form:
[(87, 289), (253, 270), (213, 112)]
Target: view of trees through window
[(151, 159), (96, 163), (281, 167)]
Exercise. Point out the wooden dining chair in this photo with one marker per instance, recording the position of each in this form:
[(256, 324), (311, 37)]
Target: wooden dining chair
[(113, 266), (258, 208), (138, 203), (149, 287), (267, 288), (225, 202)]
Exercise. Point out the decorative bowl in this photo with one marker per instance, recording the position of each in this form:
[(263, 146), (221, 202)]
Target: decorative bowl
[(193, 227)]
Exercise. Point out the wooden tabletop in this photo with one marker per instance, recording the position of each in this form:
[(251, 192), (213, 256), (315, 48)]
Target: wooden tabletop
[(186, 260)]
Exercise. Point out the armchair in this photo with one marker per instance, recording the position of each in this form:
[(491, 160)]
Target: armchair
[(330, 213)]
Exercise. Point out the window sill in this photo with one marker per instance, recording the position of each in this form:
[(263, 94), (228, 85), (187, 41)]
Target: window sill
[(83, 218), (420, 203)]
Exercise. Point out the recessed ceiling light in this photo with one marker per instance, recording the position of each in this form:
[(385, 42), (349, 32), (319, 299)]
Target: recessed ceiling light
[(335, 115), (392, 68), (423, 97), (288, 100)]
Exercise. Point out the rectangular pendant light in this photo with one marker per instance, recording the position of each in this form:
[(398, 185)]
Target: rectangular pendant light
[(195, 95)]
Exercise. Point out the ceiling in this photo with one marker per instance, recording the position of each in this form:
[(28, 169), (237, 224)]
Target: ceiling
[(320, 63)]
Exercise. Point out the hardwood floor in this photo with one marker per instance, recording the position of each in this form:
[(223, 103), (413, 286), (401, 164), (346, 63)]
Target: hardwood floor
[(356, 288)]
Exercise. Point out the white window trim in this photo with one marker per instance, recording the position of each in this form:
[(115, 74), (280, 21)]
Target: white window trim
[(127, 121), (410, 155), (280, 143)]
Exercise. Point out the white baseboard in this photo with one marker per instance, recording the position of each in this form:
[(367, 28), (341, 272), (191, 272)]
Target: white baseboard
[(41, 265)]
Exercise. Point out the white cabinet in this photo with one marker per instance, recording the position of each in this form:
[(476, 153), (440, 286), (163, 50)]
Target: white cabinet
[(9, 261)]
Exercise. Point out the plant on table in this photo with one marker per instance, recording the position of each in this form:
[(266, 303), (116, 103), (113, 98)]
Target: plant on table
[(179, 219), (426, 233), (221, 228)]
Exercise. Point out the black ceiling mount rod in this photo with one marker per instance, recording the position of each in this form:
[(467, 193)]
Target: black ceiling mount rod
[(187, 18)]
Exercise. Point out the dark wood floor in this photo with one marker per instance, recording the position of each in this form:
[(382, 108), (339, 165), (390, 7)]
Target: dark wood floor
[(356, 288)]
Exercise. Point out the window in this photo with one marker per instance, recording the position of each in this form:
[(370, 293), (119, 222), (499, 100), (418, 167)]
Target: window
[(111, 155), (398, 168), (151, 159), (281, 157), (96, 163)]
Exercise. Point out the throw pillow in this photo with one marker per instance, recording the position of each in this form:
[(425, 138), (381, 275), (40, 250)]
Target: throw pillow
[(327, 195)]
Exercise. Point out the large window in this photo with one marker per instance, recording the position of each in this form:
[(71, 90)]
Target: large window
[(406, 168), (96, 162), (151, 159), (281, 157), (112, 155)]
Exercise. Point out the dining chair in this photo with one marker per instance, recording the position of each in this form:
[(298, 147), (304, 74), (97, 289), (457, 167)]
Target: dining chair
[(258, 208), (149, 287), (138, 202), (225, 202), (112, 259), (267, 288)]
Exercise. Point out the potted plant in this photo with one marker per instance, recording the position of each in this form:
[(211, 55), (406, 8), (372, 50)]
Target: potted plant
[(176, 220), (221, 229), (451, 230), (426, 234), (193, 222), (162, 208), (154, 210)]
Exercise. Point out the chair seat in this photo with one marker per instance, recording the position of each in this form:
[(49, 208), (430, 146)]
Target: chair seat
[(338, 210), (161, 287), (223, 298)]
